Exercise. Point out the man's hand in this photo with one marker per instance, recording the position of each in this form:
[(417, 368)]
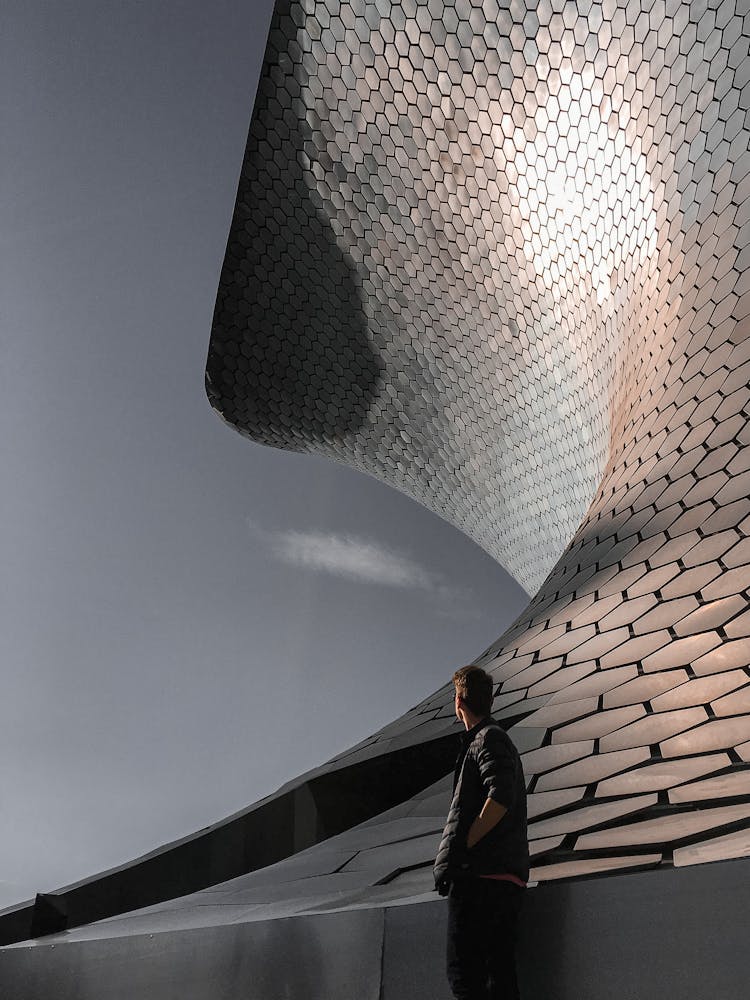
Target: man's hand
[(457, 871), (443, 885), (491, 814)]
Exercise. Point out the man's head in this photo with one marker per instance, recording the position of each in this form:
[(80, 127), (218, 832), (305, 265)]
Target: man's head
[(474, 688)]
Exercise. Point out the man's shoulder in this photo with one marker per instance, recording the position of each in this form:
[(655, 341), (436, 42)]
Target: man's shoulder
[(494, 737)]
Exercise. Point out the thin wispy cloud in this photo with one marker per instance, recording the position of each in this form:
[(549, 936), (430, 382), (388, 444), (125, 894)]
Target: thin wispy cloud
[(363, 561), (350, 557)]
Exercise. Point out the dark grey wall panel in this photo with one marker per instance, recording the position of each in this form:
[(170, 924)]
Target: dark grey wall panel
[(336, 955), (644, 936), (648, 936)]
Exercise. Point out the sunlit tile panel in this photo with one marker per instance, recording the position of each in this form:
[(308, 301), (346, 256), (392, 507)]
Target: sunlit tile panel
[(497, 255)]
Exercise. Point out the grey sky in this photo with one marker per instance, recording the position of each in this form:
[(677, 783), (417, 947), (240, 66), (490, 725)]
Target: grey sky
[(169, 590)]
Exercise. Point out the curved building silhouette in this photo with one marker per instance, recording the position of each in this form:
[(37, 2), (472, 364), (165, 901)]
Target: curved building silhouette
[(495, 255)]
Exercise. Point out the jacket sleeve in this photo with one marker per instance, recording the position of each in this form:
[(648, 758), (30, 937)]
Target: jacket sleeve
[(497, 768)]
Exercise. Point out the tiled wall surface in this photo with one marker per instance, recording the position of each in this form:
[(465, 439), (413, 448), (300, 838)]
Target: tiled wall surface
[(496, 254)]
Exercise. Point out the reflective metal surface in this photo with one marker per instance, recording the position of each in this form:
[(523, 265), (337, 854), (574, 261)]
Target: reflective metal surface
[(541, 214)]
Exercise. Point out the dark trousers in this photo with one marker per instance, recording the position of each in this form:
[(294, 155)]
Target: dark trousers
[(482, 927)]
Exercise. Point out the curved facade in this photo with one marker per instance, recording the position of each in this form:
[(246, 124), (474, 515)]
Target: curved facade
[(498, 258)]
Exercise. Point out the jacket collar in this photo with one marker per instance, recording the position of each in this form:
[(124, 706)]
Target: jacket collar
[(469, 735)]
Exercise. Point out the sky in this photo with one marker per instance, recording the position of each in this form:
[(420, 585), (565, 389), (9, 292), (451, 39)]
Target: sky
[(170, 592)]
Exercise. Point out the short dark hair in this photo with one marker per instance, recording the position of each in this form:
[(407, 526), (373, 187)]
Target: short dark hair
[(475, 688)]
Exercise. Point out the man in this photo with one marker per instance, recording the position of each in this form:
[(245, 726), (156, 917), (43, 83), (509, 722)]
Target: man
[(482, 863)]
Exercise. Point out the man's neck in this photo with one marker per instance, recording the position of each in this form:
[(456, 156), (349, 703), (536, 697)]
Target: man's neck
[(470, 720)]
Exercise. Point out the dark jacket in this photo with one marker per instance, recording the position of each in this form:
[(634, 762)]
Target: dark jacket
[(488, 766)]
